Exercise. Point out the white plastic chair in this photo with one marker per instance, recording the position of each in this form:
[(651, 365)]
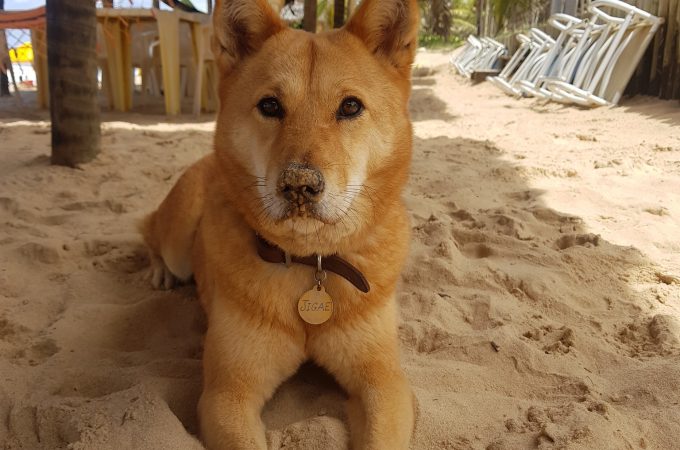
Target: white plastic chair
[(473, 47), (606, 68), (480, 54), (517, 58), (488, 59), (561, 58), (539, 46)]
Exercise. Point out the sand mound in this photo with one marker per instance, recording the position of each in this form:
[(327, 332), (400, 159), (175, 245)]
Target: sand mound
[(540, 305)]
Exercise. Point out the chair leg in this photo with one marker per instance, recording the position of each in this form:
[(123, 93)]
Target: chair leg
[(168, 32), (183, 82), (198, 41)]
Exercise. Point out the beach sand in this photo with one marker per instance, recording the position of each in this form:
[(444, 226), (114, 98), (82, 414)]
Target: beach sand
[(540, 305)]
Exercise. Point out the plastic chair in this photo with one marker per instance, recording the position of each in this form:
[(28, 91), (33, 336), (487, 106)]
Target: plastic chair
[(517, 58), (539, 45), (479, 54), (562, 57), (473, 47), (487, 58), (609, 63)]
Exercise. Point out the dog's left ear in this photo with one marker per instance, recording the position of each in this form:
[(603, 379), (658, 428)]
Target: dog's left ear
[(241, 28), (389, 28)]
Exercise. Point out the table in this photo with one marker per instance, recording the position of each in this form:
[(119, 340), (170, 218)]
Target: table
[(116, 26)]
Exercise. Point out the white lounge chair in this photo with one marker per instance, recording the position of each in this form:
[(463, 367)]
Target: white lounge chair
[(538, 46), (479, 54), (605, 69), (473, 47), (561, 58)]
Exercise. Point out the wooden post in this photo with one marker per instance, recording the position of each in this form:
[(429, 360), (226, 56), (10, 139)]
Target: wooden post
[(479, 7), (669, 52), (71, 56), (39, 42), (489, 28), (654, 85), (338, 13), (156, 4), (210, 6), (675, 90), (309, 19)]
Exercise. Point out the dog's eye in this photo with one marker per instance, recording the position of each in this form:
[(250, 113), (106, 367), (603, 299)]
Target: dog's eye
[(350, 108), (270, 107)]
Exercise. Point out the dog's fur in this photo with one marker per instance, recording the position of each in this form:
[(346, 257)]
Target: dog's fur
[(206, 225)]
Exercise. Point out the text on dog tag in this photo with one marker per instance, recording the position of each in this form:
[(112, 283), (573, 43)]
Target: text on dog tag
[(315, 306)]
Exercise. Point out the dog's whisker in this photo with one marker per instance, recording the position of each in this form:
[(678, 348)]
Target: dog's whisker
[(264, 209)]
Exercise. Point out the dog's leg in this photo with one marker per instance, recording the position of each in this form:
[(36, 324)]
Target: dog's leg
[(160, 276), (364, 359), (169, 231), (243, 365)]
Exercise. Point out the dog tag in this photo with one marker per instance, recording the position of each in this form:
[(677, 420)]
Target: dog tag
[(315, 306)]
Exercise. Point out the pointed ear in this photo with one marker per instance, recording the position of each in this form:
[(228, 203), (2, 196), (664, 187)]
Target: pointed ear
[(241, 27), (389, 28)]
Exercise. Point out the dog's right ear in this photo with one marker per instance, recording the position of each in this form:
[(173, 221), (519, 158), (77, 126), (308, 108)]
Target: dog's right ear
[(241, 27)]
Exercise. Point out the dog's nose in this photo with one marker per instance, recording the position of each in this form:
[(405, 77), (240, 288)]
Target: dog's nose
[(300, 183)]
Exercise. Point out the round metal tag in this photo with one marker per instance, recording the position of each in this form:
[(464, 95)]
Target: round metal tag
[(315, 306)]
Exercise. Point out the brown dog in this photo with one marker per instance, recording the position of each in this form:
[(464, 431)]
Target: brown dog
[(312, 151)]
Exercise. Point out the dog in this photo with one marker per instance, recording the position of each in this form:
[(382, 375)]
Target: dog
[(294, 228)]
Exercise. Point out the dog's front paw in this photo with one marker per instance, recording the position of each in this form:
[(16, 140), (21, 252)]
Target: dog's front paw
[(160, 275)]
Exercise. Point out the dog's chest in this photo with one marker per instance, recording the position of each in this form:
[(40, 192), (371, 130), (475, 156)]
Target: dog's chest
[(231, 270)]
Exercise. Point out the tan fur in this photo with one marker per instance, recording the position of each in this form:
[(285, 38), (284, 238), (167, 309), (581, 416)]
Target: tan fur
[(207, 224)]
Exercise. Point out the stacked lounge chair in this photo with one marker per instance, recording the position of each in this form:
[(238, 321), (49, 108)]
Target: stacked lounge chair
[(534, 50), (478, 55), (591, 60)]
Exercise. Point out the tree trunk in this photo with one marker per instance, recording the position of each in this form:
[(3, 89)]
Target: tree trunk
[(309, 19), (441, 18), (338, 13), (72, 62), (4, 78)]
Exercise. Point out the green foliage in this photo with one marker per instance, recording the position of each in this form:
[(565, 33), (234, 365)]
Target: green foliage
[(463, 28), (502, 9), (433, 41), (464, 18), (465, 14), (446, 22)]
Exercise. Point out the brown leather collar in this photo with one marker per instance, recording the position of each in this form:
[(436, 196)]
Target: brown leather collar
[(273, 254)]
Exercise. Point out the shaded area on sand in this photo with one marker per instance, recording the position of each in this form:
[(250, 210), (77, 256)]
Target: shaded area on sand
[(520, 327), (525, 327)]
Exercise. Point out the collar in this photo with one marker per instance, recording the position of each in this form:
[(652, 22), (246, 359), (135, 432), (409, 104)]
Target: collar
[(273, 254)]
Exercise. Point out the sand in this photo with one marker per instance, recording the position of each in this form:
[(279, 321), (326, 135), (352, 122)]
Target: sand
[(540, 305)]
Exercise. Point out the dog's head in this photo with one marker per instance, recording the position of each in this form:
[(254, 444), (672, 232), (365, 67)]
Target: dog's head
[(313, 132)]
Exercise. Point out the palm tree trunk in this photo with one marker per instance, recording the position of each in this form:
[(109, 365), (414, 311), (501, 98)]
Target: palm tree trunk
[(338, 13), (309, 19), (440, 21), (4, 79), (72, 62)]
